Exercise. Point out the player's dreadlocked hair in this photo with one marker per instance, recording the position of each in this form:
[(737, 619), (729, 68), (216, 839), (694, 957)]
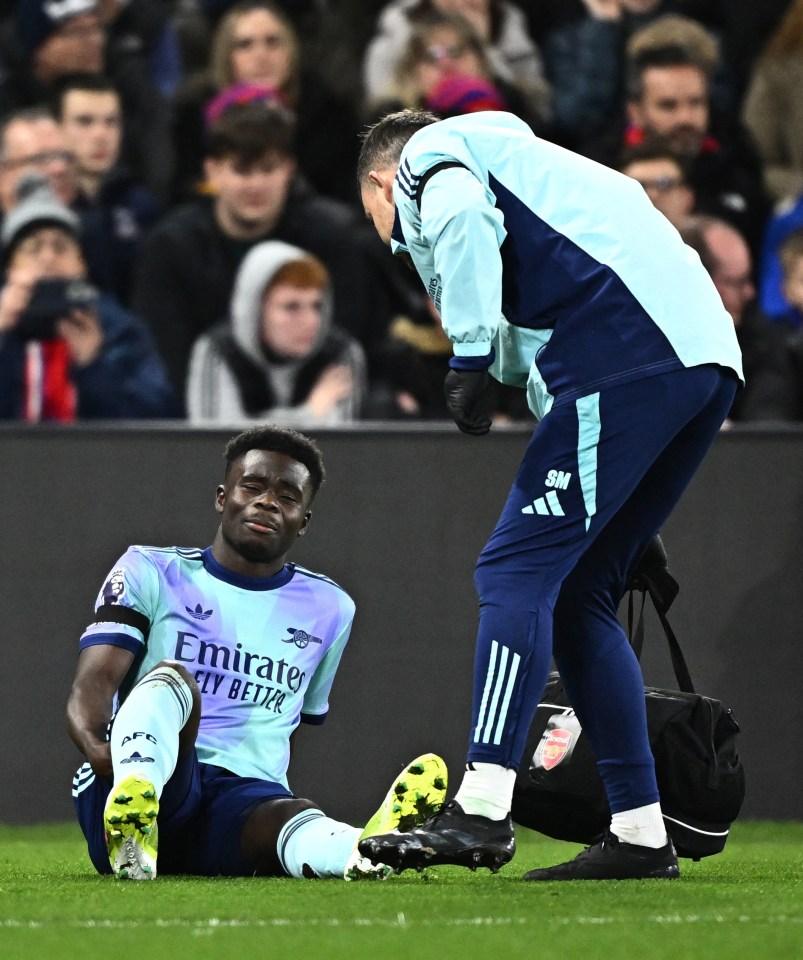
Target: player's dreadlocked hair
[(279, 440), (383, 143)]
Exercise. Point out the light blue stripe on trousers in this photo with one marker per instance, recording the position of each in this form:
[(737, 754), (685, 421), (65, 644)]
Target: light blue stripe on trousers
[(493, 710), (588, 428)]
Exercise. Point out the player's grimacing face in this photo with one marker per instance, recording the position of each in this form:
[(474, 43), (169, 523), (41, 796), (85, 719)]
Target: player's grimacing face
[(264, 503)]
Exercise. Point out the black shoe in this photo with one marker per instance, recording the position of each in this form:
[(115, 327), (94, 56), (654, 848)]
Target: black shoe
[(613, 859), (450, 836)]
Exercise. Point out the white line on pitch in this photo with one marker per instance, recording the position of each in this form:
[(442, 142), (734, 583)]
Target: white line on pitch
[(401, 920)]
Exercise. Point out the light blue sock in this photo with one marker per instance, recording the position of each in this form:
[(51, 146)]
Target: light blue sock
[(313, 840), (144, 737)]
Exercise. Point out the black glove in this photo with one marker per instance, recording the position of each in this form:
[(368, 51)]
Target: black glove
[(465, 392)]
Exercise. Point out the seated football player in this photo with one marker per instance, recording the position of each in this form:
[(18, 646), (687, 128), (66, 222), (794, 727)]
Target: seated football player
[(215, 656)]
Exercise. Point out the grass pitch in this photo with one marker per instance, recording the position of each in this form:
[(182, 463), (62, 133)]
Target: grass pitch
[(745, 904)]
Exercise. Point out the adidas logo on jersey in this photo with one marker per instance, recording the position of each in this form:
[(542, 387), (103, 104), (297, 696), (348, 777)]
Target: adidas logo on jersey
[(199, 613)]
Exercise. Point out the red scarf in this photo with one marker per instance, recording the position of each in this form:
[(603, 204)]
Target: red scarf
[(635, 136), (48, 391)]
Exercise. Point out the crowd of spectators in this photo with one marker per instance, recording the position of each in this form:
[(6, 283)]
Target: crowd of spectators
[(181, 230)]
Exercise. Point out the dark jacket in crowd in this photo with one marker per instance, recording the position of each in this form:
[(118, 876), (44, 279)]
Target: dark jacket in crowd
[(728, 182), (187, 266), (773, 387), (113, 226), (126, 381), (145, 28)]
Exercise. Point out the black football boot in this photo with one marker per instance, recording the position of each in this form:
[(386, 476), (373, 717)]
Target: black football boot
[(613, 859), (449, 837)]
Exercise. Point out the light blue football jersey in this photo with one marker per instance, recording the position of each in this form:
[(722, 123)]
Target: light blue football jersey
[(559, 264), (264, 651)]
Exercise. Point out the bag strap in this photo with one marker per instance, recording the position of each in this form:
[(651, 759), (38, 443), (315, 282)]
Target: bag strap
[(662, 588)]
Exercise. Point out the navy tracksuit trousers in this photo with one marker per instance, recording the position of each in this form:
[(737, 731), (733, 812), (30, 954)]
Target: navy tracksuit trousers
[(599, 478)]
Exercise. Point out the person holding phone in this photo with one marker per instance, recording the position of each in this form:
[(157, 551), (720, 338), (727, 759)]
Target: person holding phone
[(67, 351)]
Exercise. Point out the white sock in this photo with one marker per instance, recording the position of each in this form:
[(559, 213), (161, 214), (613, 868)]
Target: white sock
[(144, 737), (487, 790), (642, 825), (311, 839)]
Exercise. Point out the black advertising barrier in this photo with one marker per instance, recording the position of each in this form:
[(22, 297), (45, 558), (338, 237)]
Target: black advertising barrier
[(399, 523)]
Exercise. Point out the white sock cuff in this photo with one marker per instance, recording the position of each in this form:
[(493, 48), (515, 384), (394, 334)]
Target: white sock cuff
[(170, 678), (487, 790), (641, 825), (284, 848)]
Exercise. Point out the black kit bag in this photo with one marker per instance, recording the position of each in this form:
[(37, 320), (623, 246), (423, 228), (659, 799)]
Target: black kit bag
[(558, 790)]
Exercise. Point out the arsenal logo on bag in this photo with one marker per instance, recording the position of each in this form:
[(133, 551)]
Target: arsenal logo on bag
[(557, 742)]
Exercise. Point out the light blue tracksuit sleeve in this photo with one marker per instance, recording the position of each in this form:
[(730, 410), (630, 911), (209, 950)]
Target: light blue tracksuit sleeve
[(464, 230), (559, 264)]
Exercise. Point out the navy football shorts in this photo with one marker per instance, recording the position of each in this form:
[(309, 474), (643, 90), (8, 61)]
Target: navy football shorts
[(202, 812)]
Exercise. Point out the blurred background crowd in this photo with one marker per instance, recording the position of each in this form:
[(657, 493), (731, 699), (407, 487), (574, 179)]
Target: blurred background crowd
[(181, 232)]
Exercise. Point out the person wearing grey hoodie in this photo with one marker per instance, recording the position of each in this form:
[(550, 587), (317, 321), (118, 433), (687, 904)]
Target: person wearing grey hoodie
[(278, 357)]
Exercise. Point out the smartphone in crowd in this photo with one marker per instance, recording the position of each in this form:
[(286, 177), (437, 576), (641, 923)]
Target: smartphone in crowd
[(51, 300)]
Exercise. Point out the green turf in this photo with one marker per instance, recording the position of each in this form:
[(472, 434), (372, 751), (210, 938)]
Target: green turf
[(745, 904)]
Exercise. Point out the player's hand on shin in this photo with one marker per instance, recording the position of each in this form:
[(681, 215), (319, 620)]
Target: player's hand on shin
[(467, 401)]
